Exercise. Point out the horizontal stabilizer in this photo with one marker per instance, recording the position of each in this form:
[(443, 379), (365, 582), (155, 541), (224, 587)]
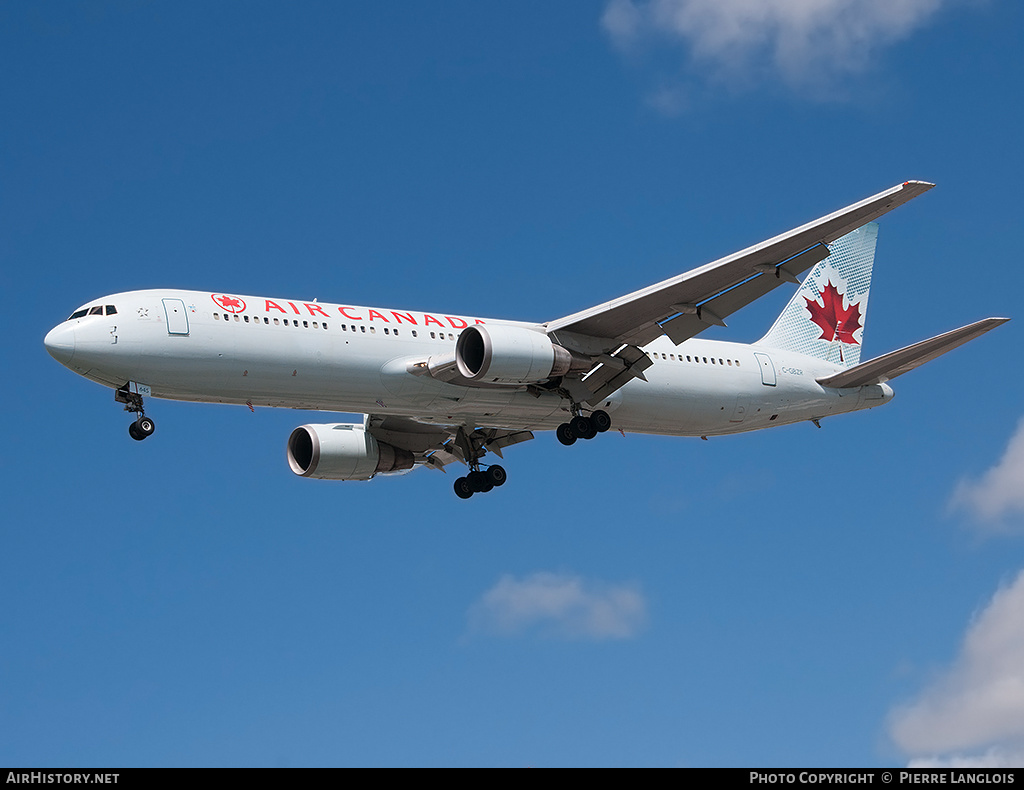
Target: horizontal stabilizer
[(896, 363)]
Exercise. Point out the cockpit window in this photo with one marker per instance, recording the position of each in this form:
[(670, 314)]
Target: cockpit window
[(97, 310)]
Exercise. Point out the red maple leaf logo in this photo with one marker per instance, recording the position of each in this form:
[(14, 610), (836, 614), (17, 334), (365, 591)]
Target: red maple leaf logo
[(229, 303), (836, 322)]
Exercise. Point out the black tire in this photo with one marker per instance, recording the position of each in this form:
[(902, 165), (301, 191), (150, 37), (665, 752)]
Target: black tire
[(133, 431), (463, 489), (477, 481), (601, 421), (565, 434), (145, 426), (582, 427), (496, 475)]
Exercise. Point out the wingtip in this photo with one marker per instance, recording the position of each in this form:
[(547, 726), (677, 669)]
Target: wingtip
[(924, 186)]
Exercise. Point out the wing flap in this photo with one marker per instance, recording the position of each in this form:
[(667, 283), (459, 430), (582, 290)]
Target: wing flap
[(615, 371), (634, 318), (896, 363)]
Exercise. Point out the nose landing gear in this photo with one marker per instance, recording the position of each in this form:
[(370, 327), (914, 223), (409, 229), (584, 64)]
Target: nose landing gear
[(143, 426)]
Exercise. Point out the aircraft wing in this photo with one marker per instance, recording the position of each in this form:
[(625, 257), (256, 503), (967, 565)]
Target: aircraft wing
[(685, 305), (896, 363), (439, 445)]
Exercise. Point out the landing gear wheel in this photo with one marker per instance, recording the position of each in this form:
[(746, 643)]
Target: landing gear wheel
[(462, 488), (601, 421), (582, 427), (565, 434), (496, 476), (145, 426), (133, 431), (478, 482)]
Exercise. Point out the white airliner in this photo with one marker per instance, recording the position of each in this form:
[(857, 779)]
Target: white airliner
[(437, 388)]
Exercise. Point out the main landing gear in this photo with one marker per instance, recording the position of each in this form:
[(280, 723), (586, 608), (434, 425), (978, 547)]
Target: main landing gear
[(583, 427), (480, 481), (471, 446), (143, 426)]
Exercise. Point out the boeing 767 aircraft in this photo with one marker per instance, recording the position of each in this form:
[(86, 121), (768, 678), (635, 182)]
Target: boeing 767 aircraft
[(436, 388)]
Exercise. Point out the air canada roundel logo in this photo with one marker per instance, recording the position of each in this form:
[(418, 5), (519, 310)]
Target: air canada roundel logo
[(230, 303)]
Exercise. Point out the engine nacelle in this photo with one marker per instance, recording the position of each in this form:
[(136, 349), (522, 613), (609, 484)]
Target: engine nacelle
[(497, 354), (342, 451)]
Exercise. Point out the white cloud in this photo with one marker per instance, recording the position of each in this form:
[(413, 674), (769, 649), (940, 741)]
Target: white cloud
[(993, 758), (1000, 491), (973, 714), (560, 605), (805, 42)]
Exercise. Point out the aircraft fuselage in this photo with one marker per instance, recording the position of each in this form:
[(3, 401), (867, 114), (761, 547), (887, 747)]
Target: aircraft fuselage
[(217, 348)]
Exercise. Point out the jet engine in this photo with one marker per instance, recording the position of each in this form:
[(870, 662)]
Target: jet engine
[(511, 355), (342, 451)]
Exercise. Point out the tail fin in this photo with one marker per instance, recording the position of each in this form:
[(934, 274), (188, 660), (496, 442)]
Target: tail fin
[(825, 319)]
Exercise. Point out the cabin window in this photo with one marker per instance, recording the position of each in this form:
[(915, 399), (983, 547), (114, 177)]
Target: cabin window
[(705, 360), (373, 330), (305, 324), (247, 319), (363, 328), (414, 333), (432, 336), (216, 316), (730, 362), (277, 322), (386, 332), (286, 322), (236, 319)]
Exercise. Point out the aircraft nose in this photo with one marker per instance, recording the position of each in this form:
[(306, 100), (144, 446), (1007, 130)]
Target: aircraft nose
[(60, 342)]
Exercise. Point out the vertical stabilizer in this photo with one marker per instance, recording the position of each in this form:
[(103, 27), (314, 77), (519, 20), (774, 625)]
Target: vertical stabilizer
[(825, 319)]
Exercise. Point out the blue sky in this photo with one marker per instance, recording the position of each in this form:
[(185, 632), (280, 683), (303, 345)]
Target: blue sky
[(844, 596)]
